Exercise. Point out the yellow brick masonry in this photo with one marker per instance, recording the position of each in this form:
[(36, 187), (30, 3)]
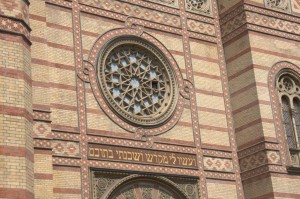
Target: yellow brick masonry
[(16, 148)]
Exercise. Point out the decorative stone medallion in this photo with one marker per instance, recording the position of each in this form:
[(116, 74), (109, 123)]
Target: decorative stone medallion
[(280, 5), (137, 81), (199, 6)]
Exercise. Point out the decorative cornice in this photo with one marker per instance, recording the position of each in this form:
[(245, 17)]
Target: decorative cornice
[(15, 26), (259, 20)]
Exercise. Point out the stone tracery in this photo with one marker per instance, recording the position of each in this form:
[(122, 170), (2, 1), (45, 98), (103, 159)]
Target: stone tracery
[(137, 81)]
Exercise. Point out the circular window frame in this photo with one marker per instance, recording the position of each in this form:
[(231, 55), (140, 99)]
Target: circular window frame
[(90, 65), (166, 111)]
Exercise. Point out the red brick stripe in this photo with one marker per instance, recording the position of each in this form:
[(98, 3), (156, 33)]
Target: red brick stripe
[(15, 38), (66, 168), (248, 87), (52, 64), (254, 142), (220, 182), (38, 39), (211, 110), (278, 194), (243, 52), (215, 128), (64, 128), (14, 73), (60, 46), (43, 107), (199, 74), (208, 59), (15, 193), (257, 121), (248, 68), (37, 17), (16, 152), (67, 191), (53, 85), (43, 151), (208, 92), (16, 111), (64, 107), (287, 56), (215, 147), (43, 176), (250, 105), (59, 27)]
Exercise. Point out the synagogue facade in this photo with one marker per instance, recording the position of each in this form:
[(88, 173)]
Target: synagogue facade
[(149, 99)]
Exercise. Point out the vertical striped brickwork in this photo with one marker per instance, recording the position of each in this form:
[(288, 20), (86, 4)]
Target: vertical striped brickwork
[(43, 174), (251, 56), (16, 146)]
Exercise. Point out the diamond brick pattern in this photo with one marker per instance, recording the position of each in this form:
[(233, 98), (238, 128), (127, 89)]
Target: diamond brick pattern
[(42, 129), (65, 148), (201, 27), (259, 159), (217, 164), (136, 11)]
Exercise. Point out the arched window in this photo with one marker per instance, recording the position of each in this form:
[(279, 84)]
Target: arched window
[(288, 86)]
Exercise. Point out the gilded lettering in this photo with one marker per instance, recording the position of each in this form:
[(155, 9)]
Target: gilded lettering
[(98, 153), (129, 155), (111, 154), (149, 157), (92, 152), (172, 158)]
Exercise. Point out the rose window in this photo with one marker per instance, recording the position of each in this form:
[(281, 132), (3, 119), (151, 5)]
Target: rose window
[(137, 81)]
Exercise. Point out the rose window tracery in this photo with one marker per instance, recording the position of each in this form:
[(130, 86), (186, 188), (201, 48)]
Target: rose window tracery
[(137, 81)]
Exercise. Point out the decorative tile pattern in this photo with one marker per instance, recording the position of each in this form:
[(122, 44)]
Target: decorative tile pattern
[(217, 164), (166, 2), (218, 175), (261, 170), (41, 116), (233, 24), (40, 143), (65, 148), (15, 26), (241, 20), (135, 143), (257, 148), (136, 11), (15, 8), (274, 23), (201, 27), (65, 136), (259, 159), (215, 153), (42, 130)]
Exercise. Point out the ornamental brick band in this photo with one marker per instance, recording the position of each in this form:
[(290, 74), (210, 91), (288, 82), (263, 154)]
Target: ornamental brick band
[(115, 153)]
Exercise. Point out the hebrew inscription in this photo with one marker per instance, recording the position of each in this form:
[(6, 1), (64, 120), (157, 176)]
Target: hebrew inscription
[(105, 152)]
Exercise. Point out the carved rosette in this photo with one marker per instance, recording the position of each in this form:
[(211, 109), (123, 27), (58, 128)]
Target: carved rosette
[(135, 80), (199, 6), (279, 5)]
